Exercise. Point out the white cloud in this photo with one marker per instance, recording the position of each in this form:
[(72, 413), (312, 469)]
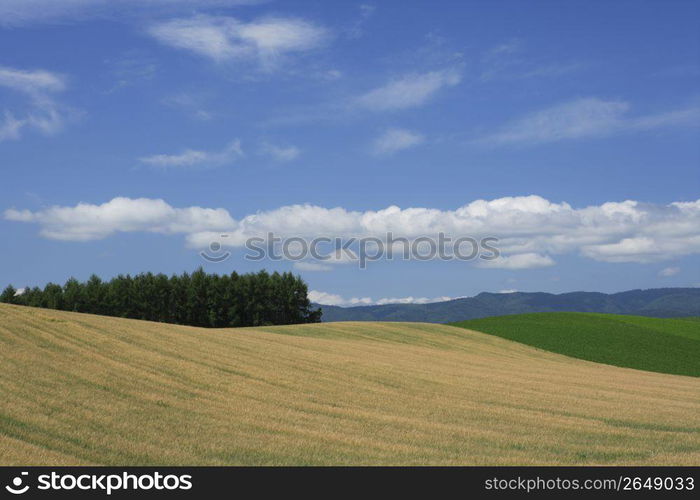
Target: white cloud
[(85, 222), (280, 153), (25, 12), (222, 38), (191, 158), (396, 139), (332, 299), (31, 82), (505, 48), (669, 271), (408, 91), (41, 111), (519, 261), (531, 230), (585, 118), (311, 266), (508, 290), (412, 300), (10, 127)]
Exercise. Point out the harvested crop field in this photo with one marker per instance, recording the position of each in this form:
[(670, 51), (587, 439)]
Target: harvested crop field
[(85, 389)]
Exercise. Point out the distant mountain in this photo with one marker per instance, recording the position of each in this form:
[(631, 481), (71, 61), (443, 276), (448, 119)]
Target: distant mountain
[(657, 302)]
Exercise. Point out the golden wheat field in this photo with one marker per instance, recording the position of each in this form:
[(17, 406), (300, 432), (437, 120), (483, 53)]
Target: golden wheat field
[(83, 389)]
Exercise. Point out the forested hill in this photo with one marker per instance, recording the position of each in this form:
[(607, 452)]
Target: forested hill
[(658, 302)]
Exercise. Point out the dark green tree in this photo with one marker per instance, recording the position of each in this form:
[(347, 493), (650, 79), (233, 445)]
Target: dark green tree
[(9, 295)]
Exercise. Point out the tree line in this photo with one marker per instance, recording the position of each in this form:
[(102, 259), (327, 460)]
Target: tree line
[(196, 299)]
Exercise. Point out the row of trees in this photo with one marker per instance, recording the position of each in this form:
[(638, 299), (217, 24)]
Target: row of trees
[(197, 299)]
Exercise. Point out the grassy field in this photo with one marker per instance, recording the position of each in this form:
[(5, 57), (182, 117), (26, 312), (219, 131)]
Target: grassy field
[(659, 345), (82, 389)]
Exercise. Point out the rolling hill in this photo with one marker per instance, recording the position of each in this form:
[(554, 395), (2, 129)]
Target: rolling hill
[(660, 345), (86, 389), (658, 302)]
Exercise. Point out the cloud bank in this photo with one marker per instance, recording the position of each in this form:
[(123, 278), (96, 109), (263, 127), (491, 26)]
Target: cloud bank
[(531, 229)]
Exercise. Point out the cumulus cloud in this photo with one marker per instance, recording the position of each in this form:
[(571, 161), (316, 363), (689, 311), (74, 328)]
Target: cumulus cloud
[(586, 118), (191, 158), (408, 91), (41, 110), (85, 221), (531, 230), (669, 271), (396, 139), (222, 38)]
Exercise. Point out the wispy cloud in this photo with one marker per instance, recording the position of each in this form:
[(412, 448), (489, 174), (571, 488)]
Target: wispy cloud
[(506, 48), (221, 38), (189, 104), (396, 139), (667, 272), (280, 153), (312, 267), (191, 158), (10, 127), (34, 82), (26, 12), (586, 118), (509, 61), (356, 30), (408, 91), (132, 68), (519, 261), (41, 111)]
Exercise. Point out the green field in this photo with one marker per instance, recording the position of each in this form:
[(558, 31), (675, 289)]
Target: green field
[(659, 345), (86, 389)]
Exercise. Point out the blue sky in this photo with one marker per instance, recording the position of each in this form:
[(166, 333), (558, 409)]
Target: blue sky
[(131, 132)]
